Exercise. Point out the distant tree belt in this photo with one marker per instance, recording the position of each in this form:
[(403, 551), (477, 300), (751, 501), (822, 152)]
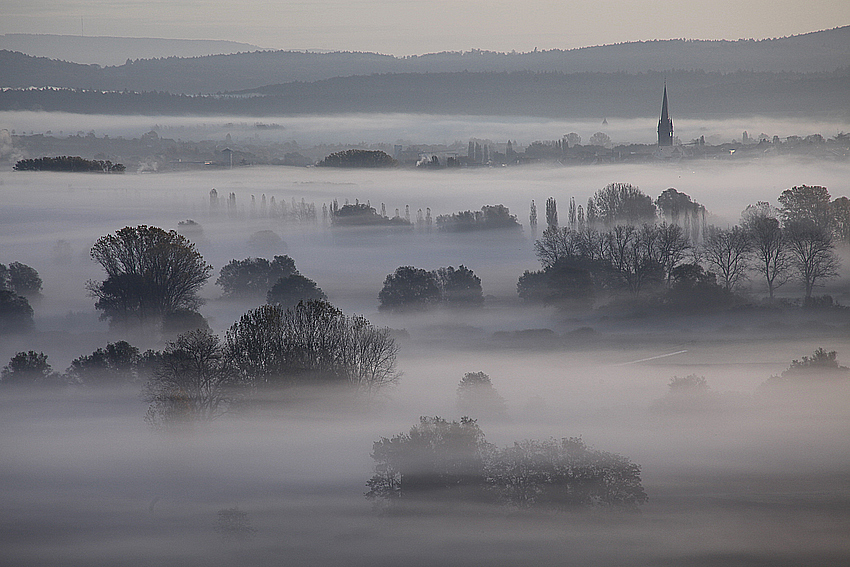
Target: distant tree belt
[(358, 158), (539, 94), (67, 163)]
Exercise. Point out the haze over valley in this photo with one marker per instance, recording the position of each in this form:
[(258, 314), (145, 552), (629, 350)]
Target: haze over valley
[(453, 308)]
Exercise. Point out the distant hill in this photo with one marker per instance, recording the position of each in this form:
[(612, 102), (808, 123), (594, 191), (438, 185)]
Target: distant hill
[(114, 50), (823, 51), (693, 94)]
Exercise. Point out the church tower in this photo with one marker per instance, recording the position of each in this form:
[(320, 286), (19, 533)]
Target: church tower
[(665, 125)]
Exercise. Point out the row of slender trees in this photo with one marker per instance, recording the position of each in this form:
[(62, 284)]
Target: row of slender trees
[(624, 246)]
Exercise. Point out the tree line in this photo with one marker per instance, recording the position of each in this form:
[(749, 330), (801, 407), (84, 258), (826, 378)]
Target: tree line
[(616, 243), (68, 163)]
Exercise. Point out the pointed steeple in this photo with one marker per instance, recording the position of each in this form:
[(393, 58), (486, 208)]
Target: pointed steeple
[(665, 124)]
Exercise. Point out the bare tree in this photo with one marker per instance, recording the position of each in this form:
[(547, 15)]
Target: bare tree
[(193, 381), (672, 247), (770, 251), (728, 251), (313, 342), (812, 254)]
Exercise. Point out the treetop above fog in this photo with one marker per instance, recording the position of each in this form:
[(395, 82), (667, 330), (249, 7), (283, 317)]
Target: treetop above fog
[(150, 272), (358, 158), (70, 164)]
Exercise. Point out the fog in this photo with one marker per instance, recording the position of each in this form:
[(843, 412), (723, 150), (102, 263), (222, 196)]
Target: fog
[(750, 478), (415, 128)]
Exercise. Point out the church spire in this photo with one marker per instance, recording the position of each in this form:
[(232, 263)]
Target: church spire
[(665, 124)]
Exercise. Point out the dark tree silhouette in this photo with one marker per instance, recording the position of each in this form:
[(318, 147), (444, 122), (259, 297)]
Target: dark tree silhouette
[(28, 368), (194, 380), (622, 203), (67, 163), (289, 291), (115, 364), (770, 252), (812, 254), (21, 279), (358, 158), (459, 287), (15, 313), (253, 277), (314, 342), (729, 252), (409, 288), (806, 205), (150, 272)]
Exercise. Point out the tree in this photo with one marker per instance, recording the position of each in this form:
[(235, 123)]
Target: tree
[(694, 290), (806, 204), (563, 475), (551, 213), (729, 250), (672, 246), (312, 343), (288, 291), (409, 288), (601, 139), (673, 205), (622, 203), (477, 397), (115, 364), (358, 158), (150, 272), (436, 459), (459, 287), (841, 219), (822, 365), (442, 460), (812, 255), (67, 163), (572, 139), (193, 381), (770, 252), (15, 313), (631, 253), (253, 277), (565, 284), (28, 368), (21, 279), (182, 321)]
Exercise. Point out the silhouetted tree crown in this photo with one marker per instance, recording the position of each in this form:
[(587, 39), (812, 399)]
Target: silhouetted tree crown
[(311, 343), (16, 314), (21, 279), (442, 460), (358, 158), (150, 272), (254, 277), (113, 365), (289, 291), (409, 288), (28, 368), (67, 163)]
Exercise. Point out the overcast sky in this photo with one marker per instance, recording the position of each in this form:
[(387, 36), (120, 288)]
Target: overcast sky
[(403, 27)]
